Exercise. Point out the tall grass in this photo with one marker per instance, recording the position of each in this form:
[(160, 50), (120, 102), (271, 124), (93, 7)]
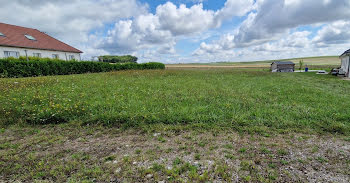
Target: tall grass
[(248, 100)]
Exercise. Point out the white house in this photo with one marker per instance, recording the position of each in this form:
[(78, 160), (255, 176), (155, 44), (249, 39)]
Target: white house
[(345, 63), (18, 41)]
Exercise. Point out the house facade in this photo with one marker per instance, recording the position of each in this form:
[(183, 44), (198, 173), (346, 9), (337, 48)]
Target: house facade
[(16, 41), (345, 63)]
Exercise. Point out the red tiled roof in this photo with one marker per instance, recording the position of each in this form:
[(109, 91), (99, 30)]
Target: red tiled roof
[(14, 37)]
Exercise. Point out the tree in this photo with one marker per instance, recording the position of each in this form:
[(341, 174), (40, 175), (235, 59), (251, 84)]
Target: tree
[(117, 59), (301, 64)]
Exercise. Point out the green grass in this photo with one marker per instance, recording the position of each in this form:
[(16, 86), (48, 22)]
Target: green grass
[(244, 100)]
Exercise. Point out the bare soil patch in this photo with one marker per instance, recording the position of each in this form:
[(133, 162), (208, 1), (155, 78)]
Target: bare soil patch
[(109, 155)]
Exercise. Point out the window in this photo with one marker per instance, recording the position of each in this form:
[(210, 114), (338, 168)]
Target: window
[(14, 54), (1, 34), (55, 56), (71, 57), (37, 55), (30, 37)]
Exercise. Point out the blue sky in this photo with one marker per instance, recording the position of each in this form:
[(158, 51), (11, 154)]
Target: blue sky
[(184, 31)]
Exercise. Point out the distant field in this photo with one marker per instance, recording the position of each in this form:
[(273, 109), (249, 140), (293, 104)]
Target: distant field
[(311, 61)]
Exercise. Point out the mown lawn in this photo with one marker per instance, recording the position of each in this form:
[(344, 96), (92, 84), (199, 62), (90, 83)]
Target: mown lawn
[(248, 100)]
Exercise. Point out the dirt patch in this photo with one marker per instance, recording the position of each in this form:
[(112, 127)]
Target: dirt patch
[(191, 156)]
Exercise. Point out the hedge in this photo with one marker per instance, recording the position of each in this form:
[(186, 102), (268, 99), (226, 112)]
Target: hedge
[(10, 67)]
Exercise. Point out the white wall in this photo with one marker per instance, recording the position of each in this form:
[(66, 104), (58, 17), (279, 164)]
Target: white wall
[(44, 53), (345, 61)]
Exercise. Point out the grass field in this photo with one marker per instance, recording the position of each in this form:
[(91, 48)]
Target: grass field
[(229, 125), (248, 100)]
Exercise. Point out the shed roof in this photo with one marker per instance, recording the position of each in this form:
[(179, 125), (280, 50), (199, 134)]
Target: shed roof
[(16, 36), (347, 52), (284, 63)]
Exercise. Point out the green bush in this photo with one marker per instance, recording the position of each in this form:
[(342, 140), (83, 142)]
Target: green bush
[(12, 67), (117, 59)]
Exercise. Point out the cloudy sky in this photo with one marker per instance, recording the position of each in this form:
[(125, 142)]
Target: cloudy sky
[(183, 31)]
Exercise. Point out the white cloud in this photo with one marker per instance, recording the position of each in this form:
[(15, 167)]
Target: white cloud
[(69, 20), (182, 20), (163, 28), (335, 33), (292, 42), (132, 35), (276, 17), (270, 31), (291, 45), (225, 43), (234, 8)]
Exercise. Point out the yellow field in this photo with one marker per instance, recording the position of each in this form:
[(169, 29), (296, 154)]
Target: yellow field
[(332, 60)]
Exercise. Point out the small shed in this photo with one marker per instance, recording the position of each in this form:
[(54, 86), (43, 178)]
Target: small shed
[(282, 66), (345, 63)]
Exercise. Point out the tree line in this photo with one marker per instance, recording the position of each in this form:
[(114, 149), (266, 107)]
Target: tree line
[(117, 59)]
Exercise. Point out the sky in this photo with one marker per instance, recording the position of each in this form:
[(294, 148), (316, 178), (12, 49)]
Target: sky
[(190, 31)]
